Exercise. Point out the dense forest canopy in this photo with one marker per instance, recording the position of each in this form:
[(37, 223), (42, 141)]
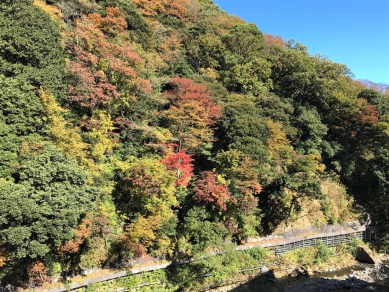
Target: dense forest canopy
[(167, 127)]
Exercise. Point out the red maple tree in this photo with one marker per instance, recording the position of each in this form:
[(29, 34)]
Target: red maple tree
[(208, 190), (181, 163)]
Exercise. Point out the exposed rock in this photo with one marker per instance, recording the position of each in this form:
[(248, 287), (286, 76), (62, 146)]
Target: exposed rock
[(310, 271), (295, 273), (264, 270), (279, 273), (365, 255)]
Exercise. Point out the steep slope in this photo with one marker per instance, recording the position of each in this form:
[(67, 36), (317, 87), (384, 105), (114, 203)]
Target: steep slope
[(169, 128)]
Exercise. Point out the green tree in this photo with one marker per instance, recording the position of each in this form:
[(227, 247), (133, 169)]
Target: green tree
[(243, 128), (244, 40), (310, 131), (30, 46), (21, 107), (43, 203), (204, 50), (375, 98), (251, 77), (21, 116), (273, 107), (9, 145)]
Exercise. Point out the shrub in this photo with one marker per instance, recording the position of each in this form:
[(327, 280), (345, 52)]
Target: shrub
[(323, 253), (258, 253), (354, 243)]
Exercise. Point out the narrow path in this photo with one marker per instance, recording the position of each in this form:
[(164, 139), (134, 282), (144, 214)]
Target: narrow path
[(330, 235)]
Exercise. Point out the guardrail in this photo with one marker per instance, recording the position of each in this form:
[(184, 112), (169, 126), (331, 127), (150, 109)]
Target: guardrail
[(327, 241), (367, 235)]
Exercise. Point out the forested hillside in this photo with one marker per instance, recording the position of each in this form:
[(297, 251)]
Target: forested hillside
[(166, 127)]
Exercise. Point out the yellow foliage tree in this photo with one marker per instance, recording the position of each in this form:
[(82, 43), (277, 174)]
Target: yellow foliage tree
[(143, 230), (66, 137), (279, 145), (54, 11), (146, 196), (102, 136)]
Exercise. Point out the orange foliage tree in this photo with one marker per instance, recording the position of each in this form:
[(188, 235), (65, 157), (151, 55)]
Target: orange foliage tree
[(369, 113), (191, 114), (182, 9), (274, 40), (83, 231), (37, 274), (3, 257)]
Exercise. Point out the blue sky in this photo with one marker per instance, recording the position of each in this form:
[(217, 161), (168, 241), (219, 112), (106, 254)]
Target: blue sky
[(351, 32)]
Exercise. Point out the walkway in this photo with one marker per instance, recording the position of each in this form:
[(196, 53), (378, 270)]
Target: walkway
[(330, 235)]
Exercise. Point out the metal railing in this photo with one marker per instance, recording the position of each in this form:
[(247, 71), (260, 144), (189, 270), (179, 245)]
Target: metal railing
[(368, 236)]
